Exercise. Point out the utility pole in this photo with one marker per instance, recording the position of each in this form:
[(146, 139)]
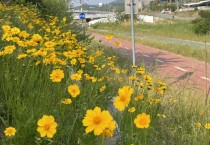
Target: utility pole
[(132, 4), (131, 8), (177, 5), (81, 2)]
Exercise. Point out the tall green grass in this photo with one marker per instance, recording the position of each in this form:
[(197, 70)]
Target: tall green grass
[(166, 28)]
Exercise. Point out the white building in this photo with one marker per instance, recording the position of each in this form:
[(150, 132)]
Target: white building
[(100, 4)]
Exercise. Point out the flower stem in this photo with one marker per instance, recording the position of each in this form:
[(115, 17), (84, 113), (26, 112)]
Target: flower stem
[(145, 137), (103, 140)]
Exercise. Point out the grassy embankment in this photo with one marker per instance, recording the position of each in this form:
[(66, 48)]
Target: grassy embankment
[(170, 29), (49, 82)]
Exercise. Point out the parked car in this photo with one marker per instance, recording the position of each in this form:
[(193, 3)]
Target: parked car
[(165, 11)]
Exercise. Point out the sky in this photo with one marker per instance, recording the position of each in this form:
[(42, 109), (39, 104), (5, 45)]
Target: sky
[(94, 2)]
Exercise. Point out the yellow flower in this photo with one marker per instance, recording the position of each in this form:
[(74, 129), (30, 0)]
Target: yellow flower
[(67, 101), (80, 72), (22, 43), (124, 71), (122, 101), (9, 49), (93, 79), (74, 90), (15, 30), (139, 97), (109, 131), (57, 75), (24, 34), (10, 131), (15, 39), (64, 19), (142, 120), (47, 126), (20, 56), (132, 78), (91, 59), (117, 43), (1, 53), (198, 124), (6, 28), (31, 50), (73, 61), (174, 101), (49, 44), (207, 125), (120, 79), (117, 70), (103, 66), (38, 62), (159, 91), (132, 109), (136, 99), (36, 37), (102, 88), (140, 70), (98, 53), (201, 113), (31, 43), (134, 66), (141, 85), (76, 77), (30, 26), (108, 37), (97, 120), (70, 54), (147, 78), (164, 116), (81, 60)]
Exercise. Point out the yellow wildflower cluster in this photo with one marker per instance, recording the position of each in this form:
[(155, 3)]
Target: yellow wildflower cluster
[(49, 43)]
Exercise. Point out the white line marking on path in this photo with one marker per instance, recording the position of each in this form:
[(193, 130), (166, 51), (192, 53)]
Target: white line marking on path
[(127, 48), (158, 60), (179, 68), (205, 78), (145, 55)]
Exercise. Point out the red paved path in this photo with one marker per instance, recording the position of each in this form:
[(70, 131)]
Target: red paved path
[(177, 67)]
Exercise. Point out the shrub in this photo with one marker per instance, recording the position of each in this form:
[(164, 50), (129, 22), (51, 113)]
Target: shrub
[(155, 6), (202, 24)]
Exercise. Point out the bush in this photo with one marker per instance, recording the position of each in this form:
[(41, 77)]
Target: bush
[(202, 28), (155, 6), (202, 24)]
